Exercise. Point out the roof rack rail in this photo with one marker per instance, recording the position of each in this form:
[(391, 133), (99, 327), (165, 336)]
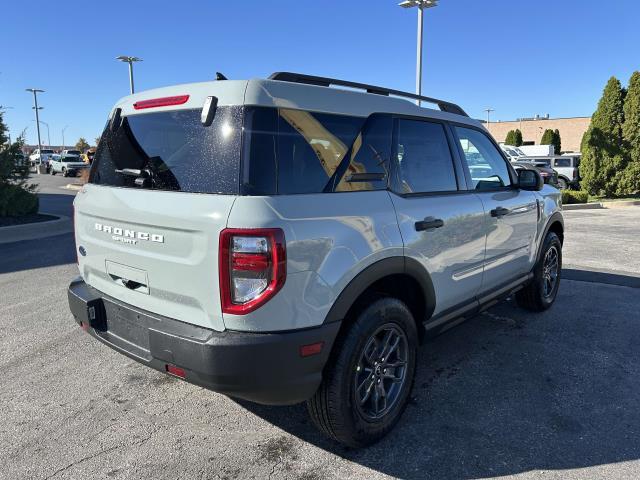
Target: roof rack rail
[(326, 82)]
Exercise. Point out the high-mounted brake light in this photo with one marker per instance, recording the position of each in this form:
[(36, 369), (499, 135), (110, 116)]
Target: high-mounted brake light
[(161, 102), (252, 266)]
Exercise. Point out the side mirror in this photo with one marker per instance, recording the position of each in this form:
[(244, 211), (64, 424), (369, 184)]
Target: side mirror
[(530, 180)]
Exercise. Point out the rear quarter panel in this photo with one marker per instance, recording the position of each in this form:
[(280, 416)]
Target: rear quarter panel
[(330, 239)]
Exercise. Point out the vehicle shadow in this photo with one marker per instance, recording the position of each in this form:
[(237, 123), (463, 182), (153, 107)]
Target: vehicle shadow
[(40, 253), (510, 391)]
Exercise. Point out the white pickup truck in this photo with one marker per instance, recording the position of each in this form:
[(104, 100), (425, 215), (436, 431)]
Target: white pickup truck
[(41, 157), (69, 163)]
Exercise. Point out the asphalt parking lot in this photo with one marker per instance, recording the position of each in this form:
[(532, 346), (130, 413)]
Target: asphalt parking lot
[(508, 393)]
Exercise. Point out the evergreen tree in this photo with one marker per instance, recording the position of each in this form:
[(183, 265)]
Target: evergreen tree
[(16, 196), (82, 145), (557, 142), (547, 137), (602, 152), (511, 138), (518, 139), (629, 181)]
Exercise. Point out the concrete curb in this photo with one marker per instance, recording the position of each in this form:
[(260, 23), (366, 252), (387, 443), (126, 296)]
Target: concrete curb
[(73, 186), (582, 206), (37, 230), (604, 205), (621, 204)]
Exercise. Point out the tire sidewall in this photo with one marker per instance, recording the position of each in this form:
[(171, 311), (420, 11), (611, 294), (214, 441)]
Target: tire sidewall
[(381, 312), (550, 240)]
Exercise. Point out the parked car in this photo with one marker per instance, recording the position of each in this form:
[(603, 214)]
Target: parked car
[(568, 168), (510, 152), (567, 177), (87, 157), (71, 153), (538, 150), (67, 164), (39, 157), (281, 241), (548, 174)]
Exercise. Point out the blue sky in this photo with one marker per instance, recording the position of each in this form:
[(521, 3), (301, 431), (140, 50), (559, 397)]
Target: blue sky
[(518, 57)]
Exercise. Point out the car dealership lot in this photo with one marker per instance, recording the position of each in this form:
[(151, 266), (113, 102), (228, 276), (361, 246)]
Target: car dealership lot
[(552, 395)]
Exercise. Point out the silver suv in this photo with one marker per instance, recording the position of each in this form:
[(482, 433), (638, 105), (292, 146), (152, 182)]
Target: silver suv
[(282, 241)]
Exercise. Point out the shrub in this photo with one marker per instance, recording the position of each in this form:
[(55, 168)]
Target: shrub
[(511, 138), (518, 138), (16, 201), (572, 196)]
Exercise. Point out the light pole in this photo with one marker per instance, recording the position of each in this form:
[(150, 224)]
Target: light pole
[(421, 4), (35, 92), (65, 127), (48, 133), (488, 110), (129, 60)]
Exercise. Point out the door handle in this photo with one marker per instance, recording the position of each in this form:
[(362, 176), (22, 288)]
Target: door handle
[(429, 223), (500, 212)]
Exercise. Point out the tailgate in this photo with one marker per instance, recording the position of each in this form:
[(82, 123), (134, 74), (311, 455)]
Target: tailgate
[(155, 250)]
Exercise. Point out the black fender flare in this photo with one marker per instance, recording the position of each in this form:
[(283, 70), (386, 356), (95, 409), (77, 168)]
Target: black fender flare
[(555, 217), (377, 271)]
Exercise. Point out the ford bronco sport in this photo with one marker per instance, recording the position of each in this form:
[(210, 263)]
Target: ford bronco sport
[(282, 240)]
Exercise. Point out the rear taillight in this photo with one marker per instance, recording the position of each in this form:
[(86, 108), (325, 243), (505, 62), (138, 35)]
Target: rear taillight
[(252, 266)]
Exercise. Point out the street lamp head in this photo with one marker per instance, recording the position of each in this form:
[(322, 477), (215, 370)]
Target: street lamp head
[(419, 3), (33, 90), (127, 59)]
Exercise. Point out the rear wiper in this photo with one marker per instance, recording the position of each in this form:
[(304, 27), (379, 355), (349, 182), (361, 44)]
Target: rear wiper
[(144, 178)]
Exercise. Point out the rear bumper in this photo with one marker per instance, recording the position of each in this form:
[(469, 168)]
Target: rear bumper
[(261, 367)]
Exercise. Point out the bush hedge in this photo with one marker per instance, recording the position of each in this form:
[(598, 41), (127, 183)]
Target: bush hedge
[(572, 196), (16, 201)]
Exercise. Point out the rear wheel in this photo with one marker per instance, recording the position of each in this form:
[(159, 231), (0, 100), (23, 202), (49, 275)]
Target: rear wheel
[(53, 172), (369, 378), (543, 289), (562, 184)]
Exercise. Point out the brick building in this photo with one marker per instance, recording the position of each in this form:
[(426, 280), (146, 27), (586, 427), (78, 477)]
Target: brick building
[(571, 130)]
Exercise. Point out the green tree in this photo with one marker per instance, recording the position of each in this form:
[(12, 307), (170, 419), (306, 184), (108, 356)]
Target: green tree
[(602, 149), (518, 138), (511, 138), (82, 144), (557, 142), (547, 137), (629, 179), (16, 196)]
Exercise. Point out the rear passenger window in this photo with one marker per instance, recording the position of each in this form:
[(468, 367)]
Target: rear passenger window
[(487, 166), (423, 158)]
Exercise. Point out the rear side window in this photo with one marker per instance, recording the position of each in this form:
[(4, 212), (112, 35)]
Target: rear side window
[(487, 167), (424, 159), (562, 162), (174, 150), (294, 151)]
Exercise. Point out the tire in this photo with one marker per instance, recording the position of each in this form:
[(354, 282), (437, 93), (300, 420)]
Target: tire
[(562, 184), (335, 408), (53, 172), (539, 295)]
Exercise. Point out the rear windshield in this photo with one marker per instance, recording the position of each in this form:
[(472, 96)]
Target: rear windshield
[(72, 152), (47, 151), (173, 151)]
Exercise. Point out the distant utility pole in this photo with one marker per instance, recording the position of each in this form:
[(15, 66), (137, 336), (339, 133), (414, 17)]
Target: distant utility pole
[(421, 4), (65, 127), (35, 92), (489, 110), (129, 60)]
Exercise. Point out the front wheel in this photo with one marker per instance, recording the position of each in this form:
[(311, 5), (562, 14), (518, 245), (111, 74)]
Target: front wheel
[(543, 289), (562, 184), (369, 378)]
